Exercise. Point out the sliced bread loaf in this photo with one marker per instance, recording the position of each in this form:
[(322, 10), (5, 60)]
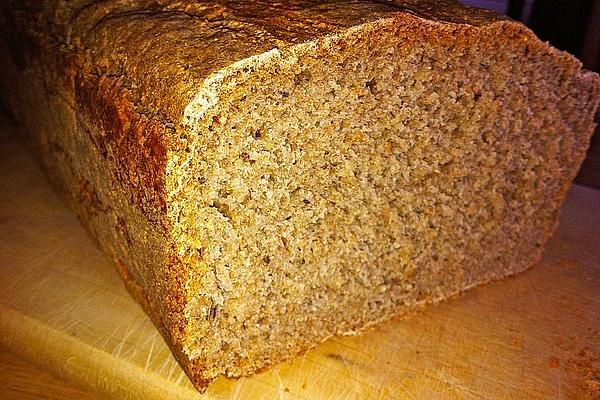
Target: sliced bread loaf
[(266, 175)]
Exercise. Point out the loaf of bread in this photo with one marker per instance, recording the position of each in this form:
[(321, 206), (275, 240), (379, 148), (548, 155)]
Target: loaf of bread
[(267, 175)]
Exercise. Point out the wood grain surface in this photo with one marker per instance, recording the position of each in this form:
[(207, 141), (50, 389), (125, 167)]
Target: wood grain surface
[(64, 309), (20, 380)]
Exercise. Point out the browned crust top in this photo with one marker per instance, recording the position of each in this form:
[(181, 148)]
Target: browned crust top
[(165, 49)]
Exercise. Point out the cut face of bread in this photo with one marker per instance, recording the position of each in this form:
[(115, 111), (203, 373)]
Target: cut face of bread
[(267, 175), (329, 185)]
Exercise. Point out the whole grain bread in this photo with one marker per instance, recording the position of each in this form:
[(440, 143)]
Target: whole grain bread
[(267, 175)]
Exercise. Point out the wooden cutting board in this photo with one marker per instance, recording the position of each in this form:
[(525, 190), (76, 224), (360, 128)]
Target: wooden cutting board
[(534, 336)]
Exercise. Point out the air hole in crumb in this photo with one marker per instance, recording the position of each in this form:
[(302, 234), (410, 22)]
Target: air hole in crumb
[(222, 208), (257, 134), (371, 85), (487, 137), (302, 78), (212, 312), (267, 259), (246, 157), (477, 96)]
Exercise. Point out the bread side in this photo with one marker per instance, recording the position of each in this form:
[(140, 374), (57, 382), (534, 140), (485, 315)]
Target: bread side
[(266, 176)]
